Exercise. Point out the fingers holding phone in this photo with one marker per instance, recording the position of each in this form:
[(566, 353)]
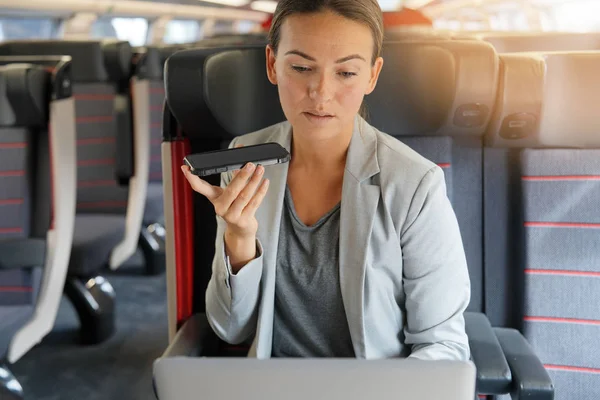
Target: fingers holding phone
[(237, 203), (199, 185)]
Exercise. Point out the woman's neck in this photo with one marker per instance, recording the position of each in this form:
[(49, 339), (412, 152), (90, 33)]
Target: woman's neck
[(320, 156)]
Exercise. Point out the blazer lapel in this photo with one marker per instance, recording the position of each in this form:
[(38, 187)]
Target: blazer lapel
[(269, 217), (359, 205)]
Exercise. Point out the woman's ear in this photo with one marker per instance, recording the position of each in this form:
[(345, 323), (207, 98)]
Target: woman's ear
[(375, 71), (271, 72)]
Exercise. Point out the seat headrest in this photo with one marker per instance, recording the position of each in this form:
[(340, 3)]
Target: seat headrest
[(232, 40), (395, 34), (426, 88), (547, 100), (220, 93), (435, 87), (149, 63), (546, 41), (117, 59), (93, 60), (24, 95)]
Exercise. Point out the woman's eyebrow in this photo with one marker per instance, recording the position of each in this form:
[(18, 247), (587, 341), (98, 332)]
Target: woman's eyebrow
[(340, 61), (350, 57), (301, 54)]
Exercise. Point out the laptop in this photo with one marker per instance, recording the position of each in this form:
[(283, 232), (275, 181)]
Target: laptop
[(187, 378)]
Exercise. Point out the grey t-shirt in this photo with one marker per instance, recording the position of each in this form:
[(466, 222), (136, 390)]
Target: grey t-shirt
[(309, 320)]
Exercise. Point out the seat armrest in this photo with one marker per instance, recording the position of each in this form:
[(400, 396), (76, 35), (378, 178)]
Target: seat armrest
[(493, 372), (194, 339), (530, 379)]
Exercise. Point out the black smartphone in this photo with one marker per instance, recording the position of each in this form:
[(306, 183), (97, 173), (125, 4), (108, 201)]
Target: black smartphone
[(215, 162)]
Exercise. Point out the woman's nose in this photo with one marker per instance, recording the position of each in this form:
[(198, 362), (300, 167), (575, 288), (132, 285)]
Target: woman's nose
[(321, 89)]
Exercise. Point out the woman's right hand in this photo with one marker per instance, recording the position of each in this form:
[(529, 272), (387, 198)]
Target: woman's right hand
[(237, 203)]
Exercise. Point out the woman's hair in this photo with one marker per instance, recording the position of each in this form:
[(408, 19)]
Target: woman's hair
[(366, 12)]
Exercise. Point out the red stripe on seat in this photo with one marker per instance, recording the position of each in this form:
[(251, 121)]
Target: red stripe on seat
[(562, 272), (156, 125), (15, 145), (563, 320), (13, 173), (572, 369), (85, 142), (107, 182), (99, 204), (11, 230), (550, 178), (10, 202), (561, 225), (156, 108), (444, 165), (156, 141), (155, 175), (157, 90), (22, 289), (87, 163), (91, 120)]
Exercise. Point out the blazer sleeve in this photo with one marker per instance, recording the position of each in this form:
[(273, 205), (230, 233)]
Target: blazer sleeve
[(232, 300), (435, 274)]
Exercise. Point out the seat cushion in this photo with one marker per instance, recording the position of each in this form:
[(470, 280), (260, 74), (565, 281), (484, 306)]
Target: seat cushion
[(94, 238), (22, 253), (154, 204), (12, 319)]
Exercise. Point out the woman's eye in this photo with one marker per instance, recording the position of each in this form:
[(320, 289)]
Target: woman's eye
[(300, 69), (347, 74)]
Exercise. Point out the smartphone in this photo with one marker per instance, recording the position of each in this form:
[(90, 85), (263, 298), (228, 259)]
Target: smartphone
[(215, 162)]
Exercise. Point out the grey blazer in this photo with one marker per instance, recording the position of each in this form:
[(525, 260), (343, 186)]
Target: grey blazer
[(403, 270)]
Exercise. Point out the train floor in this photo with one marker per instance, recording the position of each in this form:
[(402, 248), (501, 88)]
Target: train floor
[(59, 368)]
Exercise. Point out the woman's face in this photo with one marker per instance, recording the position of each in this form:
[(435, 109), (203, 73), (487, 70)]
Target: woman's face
[(323, 69)]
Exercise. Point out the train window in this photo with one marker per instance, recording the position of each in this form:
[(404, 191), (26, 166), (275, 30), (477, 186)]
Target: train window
[(27, 28), (181, 31), (577, 16), (133, 30)]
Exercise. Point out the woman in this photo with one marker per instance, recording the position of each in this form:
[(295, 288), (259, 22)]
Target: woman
[(355, 250)]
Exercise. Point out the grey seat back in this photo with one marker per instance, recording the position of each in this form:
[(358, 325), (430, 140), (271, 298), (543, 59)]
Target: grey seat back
[(100, 72), (545, 145), (436, 96), (25, 194)]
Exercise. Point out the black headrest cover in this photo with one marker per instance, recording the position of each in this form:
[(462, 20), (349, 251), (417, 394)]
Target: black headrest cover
[(93, 60), (149, 63), (238, 92), (117, 59), (425, 88), (24, 95)]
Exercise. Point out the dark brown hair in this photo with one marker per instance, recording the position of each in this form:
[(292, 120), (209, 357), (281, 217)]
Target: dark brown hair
[(366, 12)]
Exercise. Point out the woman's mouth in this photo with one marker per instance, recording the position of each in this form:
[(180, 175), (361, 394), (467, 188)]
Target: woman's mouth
[(318, 117)]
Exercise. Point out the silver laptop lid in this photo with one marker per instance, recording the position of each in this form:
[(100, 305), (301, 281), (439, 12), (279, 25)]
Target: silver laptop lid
[(184, 378)]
